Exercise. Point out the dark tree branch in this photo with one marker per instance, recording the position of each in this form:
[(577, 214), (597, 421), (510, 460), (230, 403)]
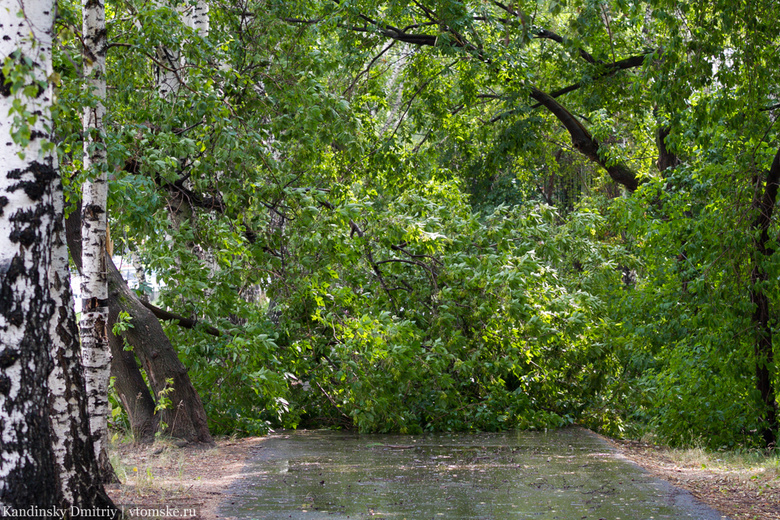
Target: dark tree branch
[(427, 269), (608, 70), (584, 142), (187, 323), (549, 35)]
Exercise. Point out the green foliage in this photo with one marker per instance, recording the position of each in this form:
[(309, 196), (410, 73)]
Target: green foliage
[(392, 236), (446, 322), (123, 323)]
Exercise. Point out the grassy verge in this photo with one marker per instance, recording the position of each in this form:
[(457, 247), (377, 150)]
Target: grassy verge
[(744, 485)]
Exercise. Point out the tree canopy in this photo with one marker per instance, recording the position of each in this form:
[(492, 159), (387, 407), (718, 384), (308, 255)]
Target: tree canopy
[(451, 215)]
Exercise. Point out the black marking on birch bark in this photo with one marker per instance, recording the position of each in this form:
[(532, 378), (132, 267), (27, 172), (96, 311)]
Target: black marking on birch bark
[(9, 305), (90, 304), (37, 134), (8, 357), (91, 211), (15, 269), (34, 189), (5, 384), (15, 317), (5, 86), (27, 224), (26, 236), (3, 203)]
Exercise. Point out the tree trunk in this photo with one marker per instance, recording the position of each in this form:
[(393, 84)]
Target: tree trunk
[(33, 279), (95, 351), (762, 322), (158, 357), (79, 477), (131, 387), (186, 418), (27, 216), (169, 77)]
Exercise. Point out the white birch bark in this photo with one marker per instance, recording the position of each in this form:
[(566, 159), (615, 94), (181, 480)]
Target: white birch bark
[(27, 174), (169, 76), (79, 477), (197, 17), (95, 351)]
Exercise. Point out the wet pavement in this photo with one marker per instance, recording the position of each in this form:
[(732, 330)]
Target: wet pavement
[(568, 474)]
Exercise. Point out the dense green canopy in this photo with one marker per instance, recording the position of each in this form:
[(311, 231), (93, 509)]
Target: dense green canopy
[(454, 215)]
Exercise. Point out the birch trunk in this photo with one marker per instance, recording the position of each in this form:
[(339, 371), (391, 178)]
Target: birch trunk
[(79, 477), (169, 76), (27, 216), (96, 354)]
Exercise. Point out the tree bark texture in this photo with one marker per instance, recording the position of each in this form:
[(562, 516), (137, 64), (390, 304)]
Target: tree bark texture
[(197, 17), (131, 387), (79, 475), (168, 75), (129, 383), (27, 219), (186, 419), (764, 204), (96, 355)]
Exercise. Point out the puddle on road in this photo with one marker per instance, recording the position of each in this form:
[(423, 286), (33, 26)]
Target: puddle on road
[(567, 474)]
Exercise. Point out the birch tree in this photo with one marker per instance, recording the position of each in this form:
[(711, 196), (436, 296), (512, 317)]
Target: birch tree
[(27, 175), (45, 458), (74, 457), (96, 354), (186, 418)]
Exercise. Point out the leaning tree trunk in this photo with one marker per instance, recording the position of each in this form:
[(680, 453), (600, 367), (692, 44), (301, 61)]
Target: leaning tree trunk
[(762, 317), (187, 419), (95, 351), (131, 387)]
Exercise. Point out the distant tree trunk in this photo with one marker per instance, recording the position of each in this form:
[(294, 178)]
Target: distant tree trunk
[(169, 78), (95, 351), (197, 17), (764, 204)]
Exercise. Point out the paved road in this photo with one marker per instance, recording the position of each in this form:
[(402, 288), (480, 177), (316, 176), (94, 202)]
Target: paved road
[(569, 474)]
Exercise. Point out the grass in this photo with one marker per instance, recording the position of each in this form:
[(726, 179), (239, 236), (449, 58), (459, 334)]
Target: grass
[(752, 463), (157, 469)]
